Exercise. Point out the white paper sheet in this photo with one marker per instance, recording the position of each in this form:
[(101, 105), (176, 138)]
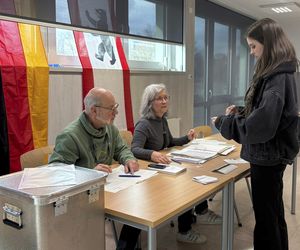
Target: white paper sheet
[(205, 179), (235, 161), (49, 176), (114, 183)]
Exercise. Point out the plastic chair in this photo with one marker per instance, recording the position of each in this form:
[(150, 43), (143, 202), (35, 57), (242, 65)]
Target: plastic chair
[(126, 136), (36, 157)]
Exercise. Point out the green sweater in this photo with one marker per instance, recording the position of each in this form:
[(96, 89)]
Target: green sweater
[(83, 145)]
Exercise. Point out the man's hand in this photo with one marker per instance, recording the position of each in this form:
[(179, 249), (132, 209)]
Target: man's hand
[(103, 167), (131, 166), (159, 158)]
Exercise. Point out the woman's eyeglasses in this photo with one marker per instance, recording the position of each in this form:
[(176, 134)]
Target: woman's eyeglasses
[(162, 98)]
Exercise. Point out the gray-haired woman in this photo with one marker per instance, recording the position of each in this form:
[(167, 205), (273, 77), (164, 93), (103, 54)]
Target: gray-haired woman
[(152, 134)]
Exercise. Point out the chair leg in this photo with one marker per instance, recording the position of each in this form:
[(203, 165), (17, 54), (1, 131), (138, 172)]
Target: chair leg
[(249, 187), (212, 197), (139, 242), (113, 225), (237, 213)]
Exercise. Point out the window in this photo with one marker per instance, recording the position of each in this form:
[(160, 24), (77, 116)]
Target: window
[(159, 56), (60, 48), (222, 63), (154, 19)]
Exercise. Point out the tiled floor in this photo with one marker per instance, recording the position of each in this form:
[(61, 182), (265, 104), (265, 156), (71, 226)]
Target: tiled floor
[(242, 235)]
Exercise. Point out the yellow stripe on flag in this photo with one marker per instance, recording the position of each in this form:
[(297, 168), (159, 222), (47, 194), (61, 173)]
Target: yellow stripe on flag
[(37, 81)]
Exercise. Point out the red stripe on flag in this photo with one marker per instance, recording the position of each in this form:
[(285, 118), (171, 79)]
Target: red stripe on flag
[(13, 71), (87, 70), (126, 83)]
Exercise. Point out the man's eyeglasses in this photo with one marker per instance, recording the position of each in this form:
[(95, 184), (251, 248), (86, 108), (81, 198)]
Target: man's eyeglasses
[(112, 109), (162, 98)]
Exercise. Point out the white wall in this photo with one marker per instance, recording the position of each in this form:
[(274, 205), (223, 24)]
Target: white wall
[(292, 29)]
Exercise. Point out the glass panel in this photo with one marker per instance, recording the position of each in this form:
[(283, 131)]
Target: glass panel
[(239, 66), (143, 22), (60, 47), (159, 19), (199, 87), (220, 70), (145, 55), (199, 116)]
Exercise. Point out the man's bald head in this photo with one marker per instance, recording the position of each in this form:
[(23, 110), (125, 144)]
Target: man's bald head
[(97, 97)]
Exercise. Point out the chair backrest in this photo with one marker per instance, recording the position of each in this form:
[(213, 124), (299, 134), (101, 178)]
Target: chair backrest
[(203, 131), (36, 157), (126, 136)]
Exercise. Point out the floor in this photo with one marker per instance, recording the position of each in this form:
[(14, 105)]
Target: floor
[(242, 235)]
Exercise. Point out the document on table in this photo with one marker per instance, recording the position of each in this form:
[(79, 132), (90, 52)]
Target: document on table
[(194, 153), (48, 176), (204, 179), (188, 159), (235, 161), (114, 183), (222, 149)]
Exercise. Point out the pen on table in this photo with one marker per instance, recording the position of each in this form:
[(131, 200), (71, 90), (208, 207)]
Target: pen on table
[(128, 175), (176, 161)]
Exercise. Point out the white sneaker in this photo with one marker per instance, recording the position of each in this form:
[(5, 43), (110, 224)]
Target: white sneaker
[(210, 217), (191, 236)]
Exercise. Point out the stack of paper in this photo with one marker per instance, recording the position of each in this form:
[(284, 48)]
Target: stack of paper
[(204, 179), (188, 159), (170, 169), (48, 177), (201, 150)]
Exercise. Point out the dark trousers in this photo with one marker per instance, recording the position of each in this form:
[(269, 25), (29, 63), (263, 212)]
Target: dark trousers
[(128, 238), (129, 235), (186, 220), (270, 230)]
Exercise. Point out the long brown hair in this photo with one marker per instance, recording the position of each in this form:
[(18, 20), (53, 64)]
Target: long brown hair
[(277, 47), (277, 50)]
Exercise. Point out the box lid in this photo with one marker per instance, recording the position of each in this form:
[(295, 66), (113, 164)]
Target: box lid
[(86, 179)]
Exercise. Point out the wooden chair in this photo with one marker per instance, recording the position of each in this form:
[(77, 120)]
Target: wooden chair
[(36, 157), (203, 131), (126, 136)]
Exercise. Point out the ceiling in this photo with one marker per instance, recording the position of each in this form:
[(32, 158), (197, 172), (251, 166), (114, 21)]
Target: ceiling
[(252, 9)]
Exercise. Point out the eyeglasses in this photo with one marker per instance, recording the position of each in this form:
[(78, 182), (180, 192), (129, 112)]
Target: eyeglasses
[(162, 98), (112, 109)]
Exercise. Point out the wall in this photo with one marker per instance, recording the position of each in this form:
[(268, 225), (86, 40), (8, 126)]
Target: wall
[(292, 30)]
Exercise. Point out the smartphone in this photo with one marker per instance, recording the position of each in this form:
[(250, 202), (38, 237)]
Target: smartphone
[(158, 166)]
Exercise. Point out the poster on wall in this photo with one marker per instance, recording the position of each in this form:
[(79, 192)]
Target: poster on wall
[(102, 51)]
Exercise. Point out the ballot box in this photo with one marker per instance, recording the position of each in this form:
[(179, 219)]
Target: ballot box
[(48, 218)]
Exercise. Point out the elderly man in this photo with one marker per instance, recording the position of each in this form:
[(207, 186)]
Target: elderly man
[(92, 141)]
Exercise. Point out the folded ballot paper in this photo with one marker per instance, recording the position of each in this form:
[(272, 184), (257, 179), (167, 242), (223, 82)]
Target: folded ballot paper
[(48, 177), (204, 179)]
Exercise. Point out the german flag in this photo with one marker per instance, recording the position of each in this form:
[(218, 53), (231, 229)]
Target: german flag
[(24, 93)]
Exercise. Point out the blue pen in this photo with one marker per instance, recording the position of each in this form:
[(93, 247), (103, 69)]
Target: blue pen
[(128, 175)]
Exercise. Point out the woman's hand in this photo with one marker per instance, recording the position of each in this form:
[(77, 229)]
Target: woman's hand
[(191, 134), (159, 158), (232, 109)]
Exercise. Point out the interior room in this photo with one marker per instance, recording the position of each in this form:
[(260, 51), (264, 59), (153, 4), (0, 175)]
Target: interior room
[(52, 53)]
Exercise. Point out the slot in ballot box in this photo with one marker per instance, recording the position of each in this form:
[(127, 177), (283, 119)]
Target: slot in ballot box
[(60, 217)]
